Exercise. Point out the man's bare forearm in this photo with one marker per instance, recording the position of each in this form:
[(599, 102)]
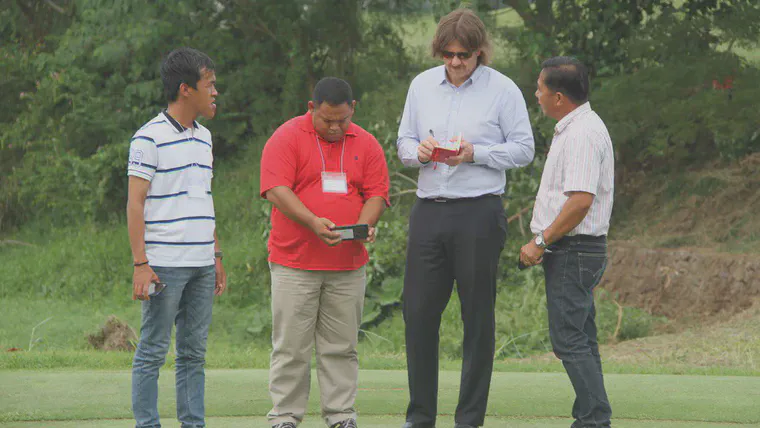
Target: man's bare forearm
[(572, 214), (136, 228), (372, 210), (137, 192), (288, 203)]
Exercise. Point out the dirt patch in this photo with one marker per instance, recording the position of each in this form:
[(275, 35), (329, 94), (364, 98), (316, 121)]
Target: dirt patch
[(682, 283), (712, 207), (115, 335)]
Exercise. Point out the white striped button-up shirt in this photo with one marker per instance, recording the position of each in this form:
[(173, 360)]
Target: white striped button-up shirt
[(580, 159)]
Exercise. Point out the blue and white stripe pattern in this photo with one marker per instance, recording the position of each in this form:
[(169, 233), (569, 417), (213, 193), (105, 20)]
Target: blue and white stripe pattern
[(581, 159), (179, 221)]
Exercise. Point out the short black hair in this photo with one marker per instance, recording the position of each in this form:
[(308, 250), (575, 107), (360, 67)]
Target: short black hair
[(333, 90), (567, 75), (183, 65)]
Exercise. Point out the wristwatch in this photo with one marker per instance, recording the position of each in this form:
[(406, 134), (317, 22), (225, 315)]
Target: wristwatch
[(540, 241), (218, 255)]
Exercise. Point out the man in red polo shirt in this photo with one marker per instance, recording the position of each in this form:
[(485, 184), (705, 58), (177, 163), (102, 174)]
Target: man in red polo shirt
[(319, 171)]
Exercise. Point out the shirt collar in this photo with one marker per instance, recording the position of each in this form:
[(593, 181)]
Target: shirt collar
[(177, 126), (306, 124), (567, 120), (479, 70)]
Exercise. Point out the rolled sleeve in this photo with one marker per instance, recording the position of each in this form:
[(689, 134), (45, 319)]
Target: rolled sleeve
[(583, 165), (278, 162), (143, 157), (518, 147)]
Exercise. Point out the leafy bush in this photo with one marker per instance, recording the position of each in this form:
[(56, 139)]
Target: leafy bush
[(670, 115), (77, 102)]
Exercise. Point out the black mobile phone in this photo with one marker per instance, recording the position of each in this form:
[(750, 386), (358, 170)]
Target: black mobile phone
[(156, 288), (520, 265), (353, 231)]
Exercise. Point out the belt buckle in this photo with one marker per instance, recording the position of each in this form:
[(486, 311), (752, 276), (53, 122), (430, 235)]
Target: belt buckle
[(440, 200)]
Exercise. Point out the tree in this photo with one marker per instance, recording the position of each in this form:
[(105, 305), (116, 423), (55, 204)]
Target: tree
[(78, 100), (621, 36)]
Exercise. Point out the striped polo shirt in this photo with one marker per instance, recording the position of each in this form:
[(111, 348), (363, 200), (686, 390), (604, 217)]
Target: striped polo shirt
[(580, 159), (179, 209)]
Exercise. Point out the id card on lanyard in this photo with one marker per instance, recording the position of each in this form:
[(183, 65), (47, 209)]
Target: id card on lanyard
[(333, 182)]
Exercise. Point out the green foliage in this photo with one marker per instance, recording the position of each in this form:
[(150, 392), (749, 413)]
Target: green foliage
[(655, 65), (596, 31), (75, 91), (684, 118), (97, 82)]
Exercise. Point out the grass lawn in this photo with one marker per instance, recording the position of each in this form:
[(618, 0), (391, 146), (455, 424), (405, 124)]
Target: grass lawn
[(239, 398), (393, 421)]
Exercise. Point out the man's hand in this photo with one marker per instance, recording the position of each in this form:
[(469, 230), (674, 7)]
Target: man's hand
[(322, 227), (370, 236), (221, 277), (142, 277), (466, 153), (425, 149), (531, 254)]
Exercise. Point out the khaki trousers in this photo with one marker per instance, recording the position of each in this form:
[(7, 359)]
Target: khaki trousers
[(321, 311)]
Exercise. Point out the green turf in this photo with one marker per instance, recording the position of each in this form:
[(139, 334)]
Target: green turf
[(519, 397), (393, 421)]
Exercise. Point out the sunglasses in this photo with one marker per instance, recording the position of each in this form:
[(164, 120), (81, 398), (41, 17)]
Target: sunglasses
[(460, 55)]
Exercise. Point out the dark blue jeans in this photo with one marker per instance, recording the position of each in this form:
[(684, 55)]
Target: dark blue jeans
[(573, 266)]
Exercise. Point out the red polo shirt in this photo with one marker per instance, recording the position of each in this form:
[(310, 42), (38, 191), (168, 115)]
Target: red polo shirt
[(291, 158)]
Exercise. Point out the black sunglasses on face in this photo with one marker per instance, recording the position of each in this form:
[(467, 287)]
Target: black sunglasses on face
[(460, 55)]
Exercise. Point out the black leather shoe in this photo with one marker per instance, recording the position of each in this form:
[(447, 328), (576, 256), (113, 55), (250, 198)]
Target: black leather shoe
[(458, 425)]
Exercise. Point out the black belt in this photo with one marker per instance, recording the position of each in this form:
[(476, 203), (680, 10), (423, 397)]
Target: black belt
[(452, 200), (581, 238)]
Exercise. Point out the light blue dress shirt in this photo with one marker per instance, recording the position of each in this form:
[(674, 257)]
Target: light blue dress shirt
[(488, 110)]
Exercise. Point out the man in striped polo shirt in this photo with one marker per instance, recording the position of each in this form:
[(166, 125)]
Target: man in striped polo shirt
[(570, 223), (172, 232)]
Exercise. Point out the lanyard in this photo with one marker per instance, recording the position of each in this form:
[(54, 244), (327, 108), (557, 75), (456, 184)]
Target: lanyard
[(342, 152)]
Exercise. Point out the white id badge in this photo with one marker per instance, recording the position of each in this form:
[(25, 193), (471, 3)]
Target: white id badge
[(334, 182), (196, 187)]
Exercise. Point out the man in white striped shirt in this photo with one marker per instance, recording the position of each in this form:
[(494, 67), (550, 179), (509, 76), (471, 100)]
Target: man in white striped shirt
[(172, 232), (571, 218)]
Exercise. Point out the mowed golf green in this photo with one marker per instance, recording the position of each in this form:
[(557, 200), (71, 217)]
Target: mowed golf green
[(239, 398)]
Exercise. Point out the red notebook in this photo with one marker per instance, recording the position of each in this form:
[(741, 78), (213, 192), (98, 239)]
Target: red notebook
[(441, 153)]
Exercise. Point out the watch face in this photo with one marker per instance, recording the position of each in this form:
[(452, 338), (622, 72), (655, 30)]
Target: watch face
[(537, 240)]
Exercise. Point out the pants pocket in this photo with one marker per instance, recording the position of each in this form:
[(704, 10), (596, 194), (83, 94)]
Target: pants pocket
[(591, 268)]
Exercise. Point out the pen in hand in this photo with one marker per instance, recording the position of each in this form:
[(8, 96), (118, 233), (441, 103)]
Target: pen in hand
[(435, 164)]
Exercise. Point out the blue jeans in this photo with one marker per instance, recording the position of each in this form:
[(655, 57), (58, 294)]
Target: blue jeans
[(572, 269), (186, 301)]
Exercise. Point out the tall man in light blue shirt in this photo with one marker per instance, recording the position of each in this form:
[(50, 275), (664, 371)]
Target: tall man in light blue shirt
[(457, 227)]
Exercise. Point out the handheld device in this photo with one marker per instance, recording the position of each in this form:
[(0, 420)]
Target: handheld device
[(353, 231), (155, 288)]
